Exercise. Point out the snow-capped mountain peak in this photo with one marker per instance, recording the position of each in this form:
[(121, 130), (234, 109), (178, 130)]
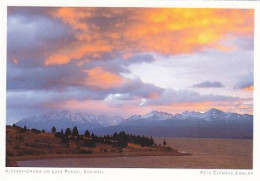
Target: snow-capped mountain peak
[(63, 119), (153, 116)]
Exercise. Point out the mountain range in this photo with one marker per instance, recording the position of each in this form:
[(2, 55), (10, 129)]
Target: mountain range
[(212, 124), (65, 119)]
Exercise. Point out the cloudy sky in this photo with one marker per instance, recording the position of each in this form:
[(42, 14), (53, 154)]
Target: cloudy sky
[(124, 61)]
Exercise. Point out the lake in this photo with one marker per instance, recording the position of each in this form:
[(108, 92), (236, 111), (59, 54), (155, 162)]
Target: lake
[(206, 153)]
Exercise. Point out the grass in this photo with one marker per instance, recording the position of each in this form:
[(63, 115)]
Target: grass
[(23, 145)]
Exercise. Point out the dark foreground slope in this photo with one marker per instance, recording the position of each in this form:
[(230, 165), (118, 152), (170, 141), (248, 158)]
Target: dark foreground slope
[(25, 144)]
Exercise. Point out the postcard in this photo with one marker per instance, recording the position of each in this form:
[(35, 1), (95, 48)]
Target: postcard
[(154, 90)]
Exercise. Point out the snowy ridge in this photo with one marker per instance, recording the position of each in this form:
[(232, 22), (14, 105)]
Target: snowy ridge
[(154, 115), (63, 119), (209, 116), (84, 120)]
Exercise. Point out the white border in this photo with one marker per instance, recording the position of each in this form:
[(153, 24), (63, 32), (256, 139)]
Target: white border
[(128, 174)]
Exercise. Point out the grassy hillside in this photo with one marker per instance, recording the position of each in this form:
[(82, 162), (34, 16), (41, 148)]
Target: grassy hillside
[(24, 144)]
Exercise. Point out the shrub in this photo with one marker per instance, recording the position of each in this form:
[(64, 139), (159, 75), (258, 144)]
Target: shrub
[(67, 132), (58, 134), (89, 152), (120, 150), (82, 151), (169, 149), (22, 130), (16, 147), (9, 153), (20, 153), (85, 152), (35, 130), (90, 143), (64, 140)]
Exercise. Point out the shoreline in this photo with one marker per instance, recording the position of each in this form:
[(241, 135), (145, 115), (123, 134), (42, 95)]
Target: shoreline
[(13, 160)]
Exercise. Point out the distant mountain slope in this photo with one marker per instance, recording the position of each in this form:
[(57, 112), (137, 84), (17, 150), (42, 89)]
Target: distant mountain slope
[(64, 119), (212, 124), (212, 116), (147, 119)]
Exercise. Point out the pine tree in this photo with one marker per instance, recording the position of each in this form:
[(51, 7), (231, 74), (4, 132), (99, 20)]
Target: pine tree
[(87, 133), (75, 131), (164, 142), (53, 129), (68, 132), (92, 135)]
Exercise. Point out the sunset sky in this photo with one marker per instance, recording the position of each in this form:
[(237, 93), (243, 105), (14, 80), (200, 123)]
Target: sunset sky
[(125, 61)]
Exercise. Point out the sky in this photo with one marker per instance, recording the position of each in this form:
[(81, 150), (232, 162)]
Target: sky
[(125, 61)]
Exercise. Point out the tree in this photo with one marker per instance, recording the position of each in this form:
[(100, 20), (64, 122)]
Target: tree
[(115, 136), (53, 129), (67, 132), (61, 132), (87, 133), (92, 135), (75, 131), (164, 142), (43, 131)]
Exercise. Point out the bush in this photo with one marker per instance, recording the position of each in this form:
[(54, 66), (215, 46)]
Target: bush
[(21, 153), (67, 132), (89, 152), (17, 147), (120, 150), (90, 143), (23, 130), (58, 134), (169, 149), (64, 140), (9, 154), (122, 143), (35, 131)]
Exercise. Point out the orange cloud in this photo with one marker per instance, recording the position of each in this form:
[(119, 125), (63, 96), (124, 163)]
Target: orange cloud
[(161, 30), (98, 107), (126, 110), (66, 54), (250, 88), (99, 78), (173, 31)]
